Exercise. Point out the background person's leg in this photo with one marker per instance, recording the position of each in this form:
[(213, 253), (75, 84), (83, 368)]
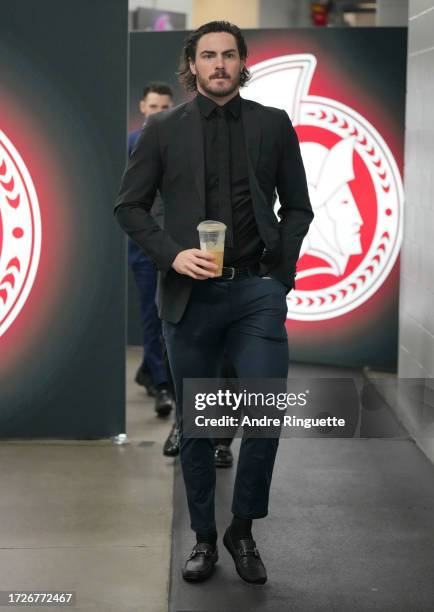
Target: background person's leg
[(223, 457), (228, 374), (145, 276)]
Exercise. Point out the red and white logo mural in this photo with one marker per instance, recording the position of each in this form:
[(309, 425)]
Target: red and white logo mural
[(355, 189), (20, 233)]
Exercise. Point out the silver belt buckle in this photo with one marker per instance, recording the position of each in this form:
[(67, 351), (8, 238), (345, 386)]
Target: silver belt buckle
[(232, 274)]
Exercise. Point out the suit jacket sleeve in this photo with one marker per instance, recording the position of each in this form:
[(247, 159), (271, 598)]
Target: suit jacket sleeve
[(136, 196), (295, 211)]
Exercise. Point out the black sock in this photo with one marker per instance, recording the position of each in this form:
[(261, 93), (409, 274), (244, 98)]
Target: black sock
[(241, 528), (209, 538)]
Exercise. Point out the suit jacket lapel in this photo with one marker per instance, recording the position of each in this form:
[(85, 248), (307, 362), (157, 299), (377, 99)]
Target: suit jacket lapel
[(193, 142), (252, 131)]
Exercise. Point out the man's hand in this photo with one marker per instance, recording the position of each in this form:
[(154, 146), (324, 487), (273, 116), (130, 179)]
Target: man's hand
[(195, 263)]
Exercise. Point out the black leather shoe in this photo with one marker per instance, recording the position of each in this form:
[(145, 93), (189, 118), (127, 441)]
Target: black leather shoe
[(247, 560), (164, 402), (143, 378), (200, 564), (223, 456), (171, 445)]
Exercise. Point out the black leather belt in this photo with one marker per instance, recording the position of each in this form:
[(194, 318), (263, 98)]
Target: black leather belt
[(230, 273)]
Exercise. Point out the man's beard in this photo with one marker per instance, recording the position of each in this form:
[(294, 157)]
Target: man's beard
[(218, 93)]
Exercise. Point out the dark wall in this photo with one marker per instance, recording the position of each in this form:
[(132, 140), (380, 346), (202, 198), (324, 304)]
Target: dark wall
[(63, 103)]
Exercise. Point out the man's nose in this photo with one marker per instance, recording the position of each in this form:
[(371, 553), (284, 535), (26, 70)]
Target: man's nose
[(220, 64)]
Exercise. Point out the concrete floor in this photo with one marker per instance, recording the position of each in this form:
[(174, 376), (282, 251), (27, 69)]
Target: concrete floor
[(91, 517), (351, 524)]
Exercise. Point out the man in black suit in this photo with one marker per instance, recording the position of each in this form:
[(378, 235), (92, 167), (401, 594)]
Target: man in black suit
[(221, 157)]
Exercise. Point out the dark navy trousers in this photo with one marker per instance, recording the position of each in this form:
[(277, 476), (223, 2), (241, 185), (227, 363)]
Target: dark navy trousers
[(246, 319), (145, 275)]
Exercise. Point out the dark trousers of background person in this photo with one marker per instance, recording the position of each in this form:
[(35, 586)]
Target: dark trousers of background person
[(228, 375), (145, 276), (244, 318)]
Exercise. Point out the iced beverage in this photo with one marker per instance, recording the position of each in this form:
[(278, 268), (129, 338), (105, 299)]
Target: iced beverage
[(212, 240)]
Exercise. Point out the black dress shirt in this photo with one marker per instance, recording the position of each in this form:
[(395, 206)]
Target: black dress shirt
[(229, 181)]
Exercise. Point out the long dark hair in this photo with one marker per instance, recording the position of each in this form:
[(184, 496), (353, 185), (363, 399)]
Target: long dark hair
[(186, 77)]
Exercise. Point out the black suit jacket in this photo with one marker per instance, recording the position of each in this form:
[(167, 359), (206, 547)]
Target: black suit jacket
[(169, 157)]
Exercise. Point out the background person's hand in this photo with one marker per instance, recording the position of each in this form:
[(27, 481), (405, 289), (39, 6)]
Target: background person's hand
[(195, 263)]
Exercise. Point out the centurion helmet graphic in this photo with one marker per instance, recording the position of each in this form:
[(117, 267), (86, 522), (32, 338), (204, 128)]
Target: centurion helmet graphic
[(20, 233), (335, 232), (332, 284)]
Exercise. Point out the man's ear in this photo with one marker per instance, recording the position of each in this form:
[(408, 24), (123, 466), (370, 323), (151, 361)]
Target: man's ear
[(142, 106), (192, 67)]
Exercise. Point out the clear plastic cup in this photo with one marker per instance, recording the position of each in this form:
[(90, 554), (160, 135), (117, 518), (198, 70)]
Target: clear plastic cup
[(212, 240)]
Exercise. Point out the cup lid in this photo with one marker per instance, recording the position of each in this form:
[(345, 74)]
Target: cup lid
[(211, 226)]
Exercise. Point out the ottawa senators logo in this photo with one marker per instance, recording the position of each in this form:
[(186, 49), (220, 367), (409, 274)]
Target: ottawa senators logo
[(20, 233), (355, 189)]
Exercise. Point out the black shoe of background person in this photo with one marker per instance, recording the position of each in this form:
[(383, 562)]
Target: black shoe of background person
[(248, 562), (143, 378), (171, 445), (200, 563), (164, 402), (223, 457)]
